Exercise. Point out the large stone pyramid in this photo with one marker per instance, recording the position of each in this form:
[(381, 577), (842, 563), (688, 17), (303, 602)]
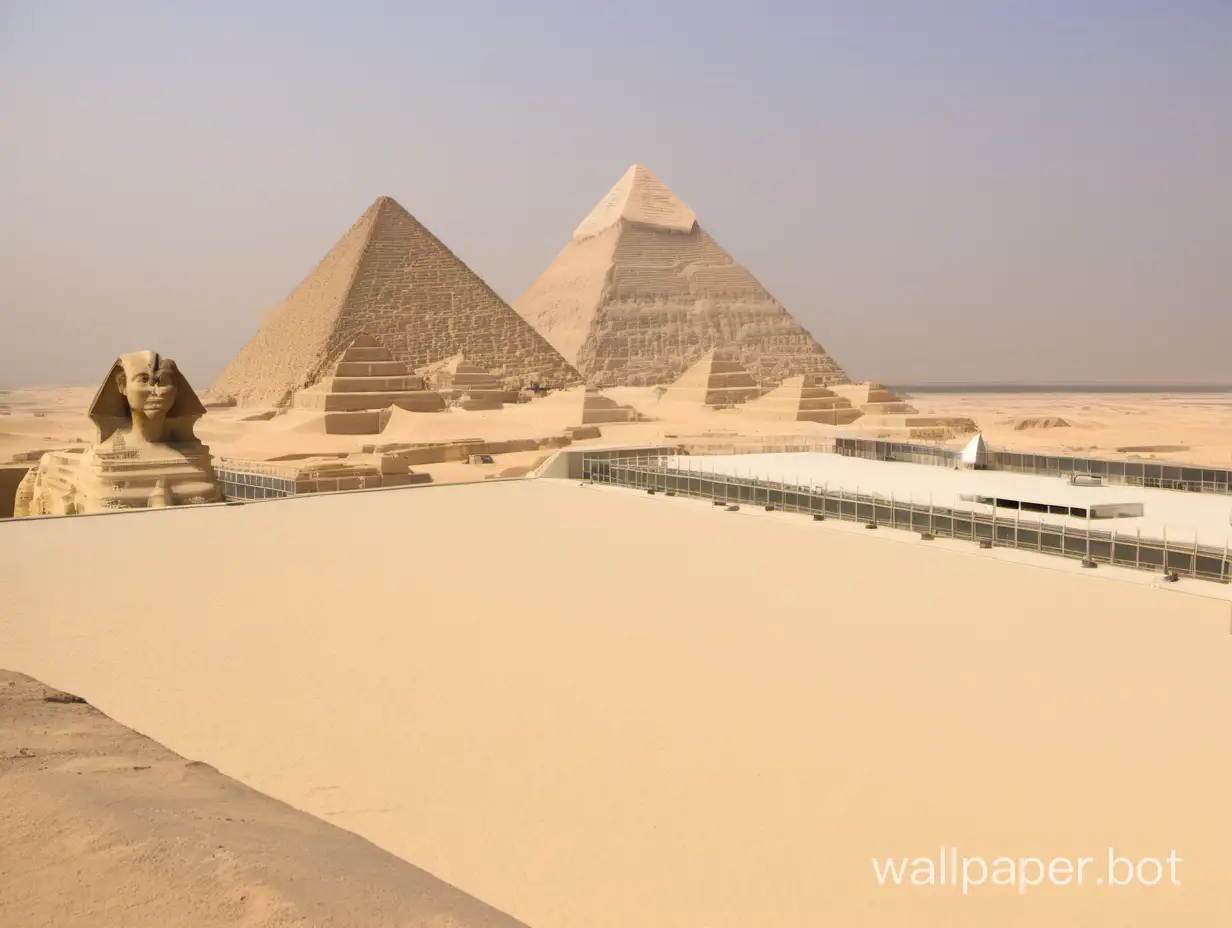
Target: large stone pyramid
[(641, 292), (391, 278)]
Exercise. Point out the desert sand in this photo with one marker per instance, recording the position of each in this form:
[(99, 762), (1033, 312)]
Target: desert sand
[(1095, 424), (101, 827), (656, 712), (1191, 427)]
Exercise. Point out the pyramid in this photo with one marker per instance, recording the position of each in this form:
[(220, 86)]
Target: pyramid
[(467, 384), (598, 409), (580, 406), (393, 279), (365, 383), (713, 381), (885, 414), (803, 399), (875, 399), (641, 292), (975, 453)]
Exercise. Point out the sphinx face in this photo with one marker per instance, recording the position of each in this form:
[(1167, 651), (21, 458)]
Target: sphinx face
[(150, 388)]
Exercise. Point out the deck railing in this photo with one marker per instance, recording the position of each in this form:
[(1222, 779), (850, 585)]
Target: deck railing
[(987, 528)]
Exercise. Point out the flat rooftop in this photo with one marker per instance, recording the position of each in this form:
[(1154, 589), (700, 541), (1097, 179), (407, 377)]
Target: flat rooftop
[(1178, 514), (589, 706)]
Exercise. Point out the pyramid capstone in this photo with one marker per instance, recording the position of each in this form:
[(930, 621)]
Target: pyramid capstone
[(641, 292), (391, 278)]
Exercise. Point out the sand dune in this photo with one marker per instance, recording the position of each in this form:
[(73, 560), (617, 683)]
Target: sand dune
[(103, 828)]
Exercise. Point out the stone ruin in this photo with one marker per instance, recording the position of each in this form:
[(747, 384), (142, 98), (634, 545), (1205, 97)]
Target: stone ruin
[(713, 382), (465, 384), (887, 415), (803, 398), (357, 396), (875, 399), (145, 454), (598, 409)]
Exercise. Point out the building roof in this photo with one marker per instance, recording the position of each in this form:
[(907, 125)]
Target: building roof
[(1179, 514)]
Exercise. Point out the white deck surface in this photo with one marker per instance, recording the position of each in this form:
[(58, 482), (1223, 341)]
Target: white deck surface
[(1181, 515)]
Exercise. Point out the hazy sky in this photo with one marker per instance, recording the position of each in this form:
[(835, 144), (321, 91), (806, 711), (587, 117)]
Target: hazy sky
[(937, 190)]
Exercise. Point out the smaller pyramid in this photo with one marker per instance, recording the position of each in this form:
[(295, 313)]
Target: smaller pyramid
[(874, 399), (365, 383), (803, 398), (714, 382), (466, 384), (598, 409)]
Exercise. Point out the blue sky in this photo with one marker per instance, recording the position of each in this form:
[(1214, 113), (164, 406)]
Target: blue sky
[(939, 191)]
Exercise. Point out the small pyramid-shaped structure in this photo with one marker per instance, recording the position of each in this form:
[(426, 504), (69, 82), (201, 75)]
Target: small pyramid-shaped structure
[(641, 292), (803, 399), (365, 383), (393, 279), (467, 384), (584, 406), (974, 453), (598, 409), (875, 399), (713, 381)]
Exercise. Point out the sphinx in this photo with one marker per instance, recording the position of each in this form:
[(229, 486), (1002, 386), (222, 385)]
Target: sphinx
[(144, 454)]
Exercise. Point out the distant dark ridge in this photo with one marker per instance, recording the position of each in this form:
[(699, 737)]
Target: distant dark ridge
[(1061, 388)]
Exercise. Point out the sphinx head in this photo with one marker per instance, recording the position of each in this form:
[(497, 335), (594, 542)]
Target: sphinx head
[(149, 382), (146, 395)]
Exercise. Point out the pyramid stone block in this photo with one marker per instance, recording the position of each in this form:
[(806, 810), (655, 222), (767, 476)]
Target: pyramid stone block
[(641, 292), (393, 279)]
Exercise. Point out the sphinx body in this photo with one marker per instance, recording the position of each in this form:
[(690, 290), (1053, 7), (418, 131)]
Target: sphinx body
[(145, 453)]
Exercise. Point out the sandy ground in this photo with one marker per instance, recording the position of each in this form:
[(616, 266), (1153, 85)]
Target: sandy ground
[(1195, 427), (101, 827), (1100, 424), (602, 709)]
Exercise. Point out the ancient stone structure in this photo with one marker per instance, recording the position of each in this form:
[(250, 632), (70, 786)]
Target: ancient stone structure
[(365, 383), (803, 399), (391, 278), (641, 292), (466, 384), (145, 453), (712, 381), (888, 415), (295, 475), (875, 399), (598, 409)]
